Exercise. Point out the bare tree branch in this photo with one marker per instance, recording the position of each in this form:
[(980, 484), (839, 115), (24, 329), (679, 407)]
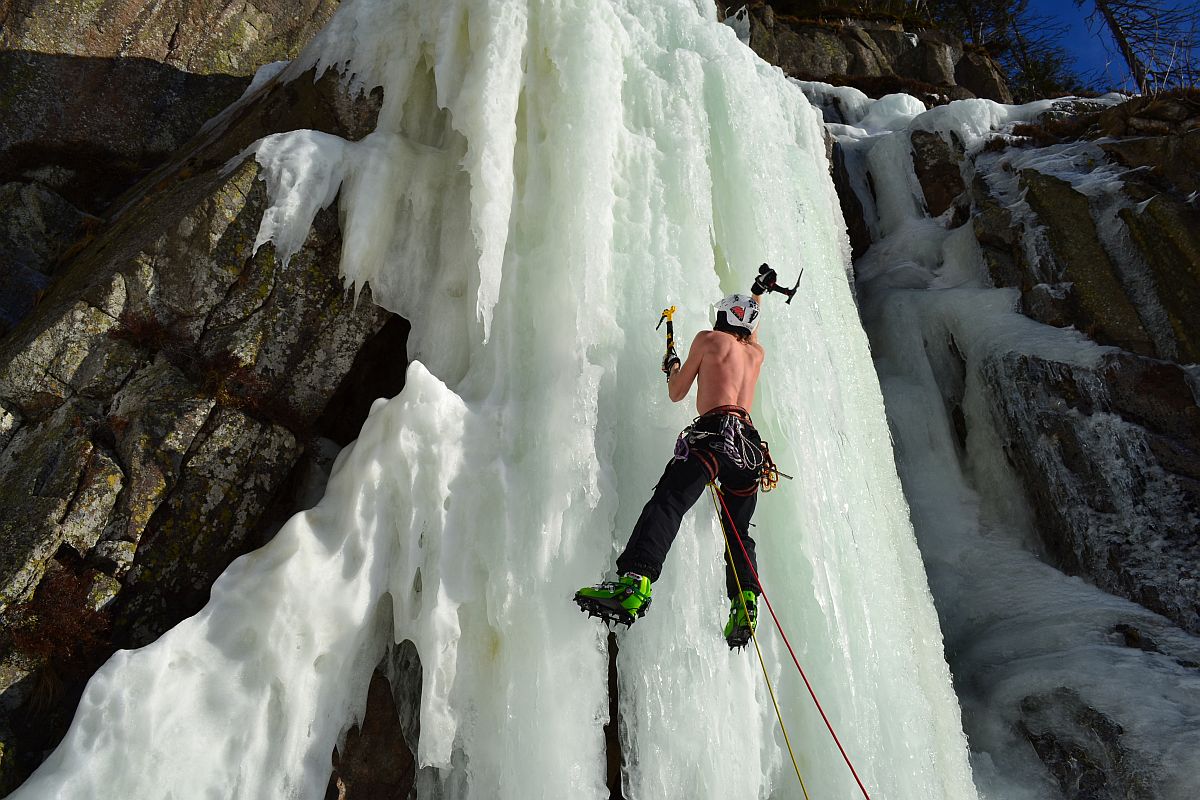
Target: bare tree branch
[(1157, 39)]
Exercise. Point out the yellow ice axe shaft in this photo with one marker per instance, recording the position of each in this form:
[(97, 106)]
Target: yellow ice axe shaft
[(667, 315)]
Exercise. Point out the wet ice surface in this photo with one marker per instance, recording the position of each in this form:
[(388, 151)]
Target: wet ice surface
[(544, 179), (1027, 644)]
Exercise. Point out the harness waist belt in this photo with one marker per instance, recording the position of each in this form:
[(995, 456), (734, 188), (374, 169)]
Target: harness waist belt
[(723, 411)]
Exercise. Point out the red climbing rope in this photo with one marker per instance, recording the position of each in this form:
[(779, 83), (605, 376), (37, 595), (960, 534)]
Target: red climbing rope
[(738, 536), (712, 489)]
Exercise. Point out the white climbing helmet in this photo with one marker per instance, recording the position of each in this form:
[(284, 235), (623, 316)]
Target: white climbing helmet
[(739, 312)]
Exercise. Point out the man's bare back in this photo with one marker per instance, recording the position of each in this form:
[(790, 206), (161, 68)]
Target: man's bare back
[(727, 367)]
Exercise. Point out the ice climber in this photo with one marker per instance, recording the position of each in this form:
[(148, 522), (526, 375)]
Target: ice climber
[(720, 445)]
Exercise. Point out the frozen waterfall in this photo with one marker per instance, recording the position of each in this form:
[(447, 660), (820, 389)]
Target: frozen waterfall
[(1019, 631), (546, 177)]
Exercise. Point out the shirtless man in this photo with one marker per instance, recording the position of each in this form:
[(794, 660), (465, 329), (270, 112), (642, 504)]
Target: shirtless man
[(721, 444)]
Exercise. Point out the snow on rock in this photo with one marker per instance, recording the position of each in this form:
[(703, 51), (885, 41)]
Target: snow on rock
[(1057, 683)]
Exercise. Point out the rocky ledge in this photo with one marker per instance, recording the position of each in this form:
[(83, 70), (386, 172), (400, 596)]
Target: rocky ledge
[(94, 96), (875, 56)]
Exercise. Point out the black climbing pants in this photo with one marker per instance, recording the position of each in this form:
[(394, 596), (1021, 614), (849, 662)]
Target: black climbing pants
[(682, 483)]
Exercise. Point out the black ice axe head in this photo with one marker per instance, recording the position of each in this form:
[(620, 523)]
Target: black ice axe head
[(782, 290), (792, 291)]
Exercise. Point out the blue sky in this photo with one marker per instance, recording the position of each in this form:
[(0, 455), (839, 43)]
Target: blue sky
[(1097, 68), (1092, 64)]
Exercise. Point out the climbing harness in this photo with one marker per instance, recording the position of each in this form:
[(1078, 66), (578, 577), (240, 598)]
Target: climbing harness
[(717, 495), (733, 442)]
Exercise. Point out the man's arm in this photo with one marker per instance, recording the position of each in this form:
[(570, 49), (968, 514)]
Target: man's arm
[(758, 298), (764, 283), (680, 382)]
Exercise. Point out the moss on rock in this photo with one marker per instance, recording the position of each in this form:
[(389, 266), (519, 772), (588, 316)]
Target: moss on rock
[(1108, 315), (1168, 234)]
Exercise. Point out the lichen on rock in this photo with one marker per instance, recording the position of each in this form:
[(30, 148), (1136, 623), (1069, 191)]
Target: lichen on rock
[(39, 475)]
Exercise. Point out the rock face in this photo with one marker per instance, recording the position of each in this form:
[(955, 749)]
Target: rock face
[(194, 36), (1087, 752), (977, 72), (1109, 455), (1091, 763), (159, 404), (936, 162), (1103, 309), (1090, 213), (376, 763), (1111, 461), (377, 760), (96, 95), (876, 57), (87, 128)]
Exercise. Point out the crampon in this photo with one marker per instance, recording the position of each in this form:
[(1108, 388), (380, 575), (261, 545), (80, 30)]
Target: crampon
[(622, 601), (743, 618)]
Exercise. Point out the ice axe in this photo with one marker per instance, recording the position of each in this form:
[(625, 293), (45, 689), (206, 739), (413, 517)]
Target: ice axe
[(774, 287), (671, 356)]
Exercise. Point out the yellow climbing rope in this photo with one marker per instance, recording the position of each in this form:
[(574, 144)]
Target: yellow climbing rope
[(754, 637)]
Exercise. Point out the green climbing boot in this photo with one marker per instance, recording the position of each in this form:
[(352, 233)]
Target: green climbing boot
[(742, 620), (622, 600)]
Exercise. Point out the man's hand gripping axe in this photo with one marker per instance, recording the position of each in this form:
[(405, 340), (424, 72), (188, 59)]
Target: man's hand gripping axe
[(671, 359), (767, 282)]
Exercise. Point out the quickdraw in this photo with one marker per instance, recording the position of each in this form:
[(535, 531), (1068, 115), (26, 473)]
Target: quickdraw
[(731, 441), (769, 479)]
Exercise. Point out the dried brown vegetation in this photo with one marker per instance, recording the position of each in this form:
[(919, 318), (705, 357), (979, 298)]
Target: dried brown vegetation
[(143, 330), (58, 625)]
